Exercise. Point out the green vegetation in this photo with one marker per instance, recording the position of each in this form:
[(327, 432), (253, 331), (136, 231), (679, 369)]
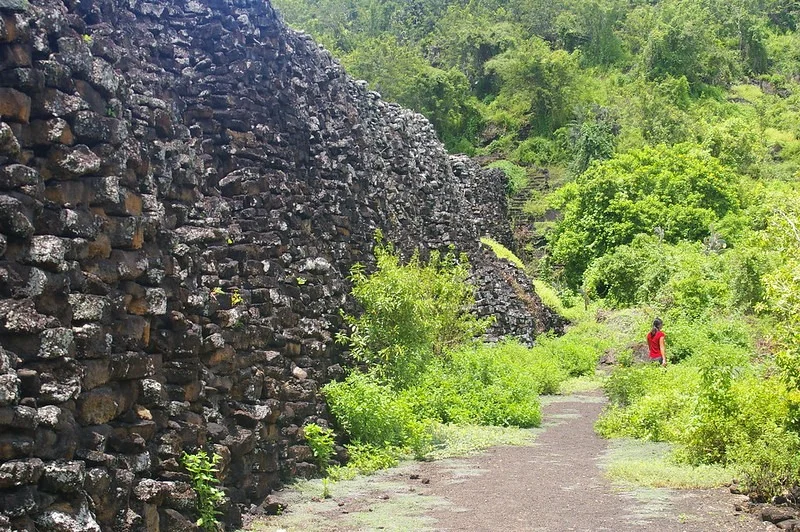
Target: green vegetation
[(672, 128), (516, 175), (321, 442), (202, 469), (426, 369), (652, 465), (502, 252), (681, 190), (719, 405), (412, 315)]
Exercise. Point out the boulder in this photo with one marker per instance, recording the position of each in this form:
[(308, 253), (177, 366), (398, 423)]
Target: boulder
[(15, 106)]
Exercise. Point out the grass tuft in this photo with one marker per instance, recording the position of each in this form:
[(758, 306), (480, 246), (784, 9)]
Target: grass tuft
[(650, 464), (503, 252), (462, 440)]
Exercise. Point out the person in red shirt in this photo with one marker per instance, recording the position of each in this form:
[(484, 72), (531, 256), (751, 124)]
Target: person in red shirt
[(655, 340)]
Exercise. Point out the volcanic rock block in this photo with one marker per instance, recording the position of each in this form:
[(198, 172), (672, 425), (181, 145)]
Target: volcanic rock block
[(20, 472), (48, 252), (20, 317), (52, 131), (98, 406), (57, 343), (15, 106), (12, 6), (9, 390), (13, 220), (86, 307), (9, 145), (54, 103), (63, 476), (16, 176), (70, 162), (91, 128), (57, 519)]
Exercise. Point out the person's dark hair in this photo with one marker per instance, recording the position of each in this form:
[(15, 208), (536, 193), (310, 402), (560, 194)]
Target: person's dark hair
[(657, 323)]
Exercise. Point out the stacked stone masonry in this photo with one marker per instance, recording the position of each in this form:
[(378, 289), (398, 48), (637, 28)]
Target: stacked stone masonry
[(184, 186)]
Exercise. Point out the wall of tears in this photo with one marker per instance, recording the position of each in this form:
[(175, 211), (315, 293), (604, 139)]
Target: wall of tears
[(169, 170)]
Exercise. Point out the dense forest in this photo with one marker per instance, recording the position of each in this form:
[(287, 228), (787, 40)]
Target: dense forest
[(669, 133)]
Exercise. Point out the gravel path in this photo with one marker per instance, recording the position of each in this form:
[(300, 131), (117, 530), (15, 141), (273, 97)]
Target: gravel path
[(557, 485)]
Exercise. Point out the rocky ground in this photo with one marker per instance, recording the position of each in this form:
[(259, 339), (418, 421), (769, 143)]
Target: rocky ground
[(557, 484)]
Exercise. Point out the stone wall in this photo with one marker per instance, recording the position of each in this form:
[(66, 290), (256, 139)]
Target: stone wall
[(184, 187)]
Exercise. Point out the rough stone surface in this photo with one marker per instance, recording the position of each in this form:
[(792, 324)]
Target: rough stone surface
[(163, 186)]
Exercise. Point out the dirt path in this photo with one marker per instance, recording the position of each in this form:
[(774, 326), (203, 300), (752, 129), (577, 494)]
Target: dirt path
[(555, 485)]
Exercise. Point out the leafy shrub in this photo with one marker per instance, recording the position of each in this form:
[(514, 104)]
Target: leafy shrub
[(770, 462), (491, 385), (372, 413), (202, 470), (574, 354), (593, 138), (630, 274), (649, 402), (517, 176), (680, 189), (367, 458), (717, 405), (413, 313), (735, 144), (694, 337), (321, 442), (713, 428), (537, 85), (535, 151), (626, 385)]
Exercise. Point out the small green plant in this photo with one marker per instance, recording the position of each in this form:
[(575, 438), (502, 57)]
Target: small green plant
[(110, 112), (230, 241), (326, 488), (216, 291), (236, 297), (87, 39), (203, 468), (301, 281), (321, 442)]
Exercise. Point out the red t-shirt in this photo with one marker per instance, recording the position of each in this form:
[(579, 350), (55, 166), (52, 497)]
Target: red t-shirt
[(654, 341)]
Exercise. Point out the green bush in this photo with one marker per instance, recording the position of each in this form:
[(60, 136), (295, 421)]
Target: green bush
[(367, 458), (202, 470), (679, 189), (769, 463), (413, 313), (649, 402), (535, 151), (372, 413), (517, 176), (574, 355), (687, 337), (321, 442), (717, 405), (491, 385)]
